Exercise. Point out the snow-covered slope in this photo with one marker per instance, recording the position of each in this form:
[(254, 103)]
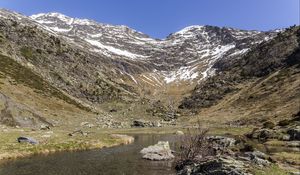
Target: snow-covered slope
[(186, 57)]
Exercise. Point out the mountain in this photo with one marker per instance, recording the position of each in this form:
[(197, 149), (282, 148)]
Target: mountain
[(183, 57), (98, 68), (265, 83)]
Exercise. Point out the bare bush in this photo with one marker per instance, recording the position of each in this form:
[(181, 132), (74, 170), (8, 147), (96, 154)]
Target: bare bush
[(194, 146)]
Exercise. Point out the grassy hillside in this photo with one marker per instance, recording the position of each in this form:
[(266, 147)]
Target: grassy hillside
[(264, 83)]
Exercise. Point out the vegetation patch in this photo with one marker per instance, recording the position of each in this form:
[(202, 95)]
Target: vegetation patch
[(24, 75)]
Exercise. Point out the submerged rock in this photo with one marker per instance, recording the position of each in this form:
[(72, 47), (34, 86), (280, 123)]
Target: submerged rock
[(159, 151)]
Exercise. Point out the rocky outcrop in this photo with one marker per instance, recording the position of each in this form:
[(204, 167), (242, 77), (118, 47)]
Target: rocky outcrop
[(225, 159), (236, 164), (159, 151), (285, 130), (220, 166)]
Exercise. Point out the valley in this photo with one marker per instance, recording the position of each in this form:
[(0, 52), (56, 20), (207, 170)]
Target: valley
[(73, 84)]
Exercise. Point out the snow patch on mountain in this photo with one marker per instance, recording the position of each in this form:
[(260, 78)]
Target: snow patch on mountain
[(113, 50), (183, 73)]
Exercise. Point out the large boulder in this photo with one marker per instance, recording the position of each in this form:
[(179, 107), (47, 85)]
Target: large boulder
[(159, 151)]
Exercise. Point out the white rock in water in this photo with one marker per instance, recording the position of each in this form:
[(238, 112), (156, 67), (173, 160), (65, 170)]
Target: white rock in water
[(159, 151)]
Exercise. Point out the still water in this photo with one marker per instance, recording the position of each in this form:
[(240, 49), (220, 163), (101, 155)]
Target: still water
[(120, 160)]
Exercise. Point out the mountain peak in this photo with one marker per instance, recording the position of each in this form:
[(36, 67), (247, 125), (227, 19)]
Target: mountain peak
[(190, 29)]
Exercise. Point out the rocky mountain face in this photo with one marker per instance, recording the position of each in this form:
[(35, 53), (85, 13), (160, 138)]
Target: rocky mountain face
[(267, 78), (141, 61), (88, 64)]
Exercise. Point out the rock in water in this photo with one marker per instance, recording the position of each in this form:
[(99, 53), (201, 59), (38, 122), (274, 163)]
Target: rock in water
[(159, 151)]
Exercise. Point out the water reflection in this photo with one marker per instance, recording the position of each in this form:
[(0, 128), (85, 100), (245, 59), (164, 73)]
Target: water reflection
[(121, 160)]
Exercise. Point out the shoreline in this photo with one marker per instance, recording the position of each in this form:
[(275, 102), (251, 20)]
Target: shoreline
[(28, 150), (59, 141)]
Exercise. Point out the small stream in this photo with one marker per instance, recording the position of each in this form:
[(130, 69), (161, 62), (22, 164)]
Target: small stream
[(119, 160)]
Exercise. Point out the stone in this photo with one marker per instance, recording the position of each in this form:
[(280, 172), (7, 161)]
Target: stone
[(258, 158), (46, 136), (222, 141), (112, 110), (263, 134), (84, 123), (140, 123), (159, 151), (90, 125), (285, 137), (27, 140), (44, 127), (259, 154), (157, 124), (294, 133), (179, 133)]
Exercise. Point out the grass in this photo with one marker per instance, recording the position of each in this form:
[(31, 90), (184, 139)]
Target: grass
[(288, 157), (275, 143), (23, 75), (59, 141), (28, 53), (272, 170)]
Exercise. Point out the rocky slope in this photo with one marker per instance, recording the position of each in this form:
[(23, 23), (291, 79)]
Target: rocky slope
[(264, 83), (97, 66), (186, 56)]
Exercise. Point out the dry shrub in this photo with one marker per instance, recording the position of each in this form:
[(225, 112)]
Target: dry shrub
[(194, 146)]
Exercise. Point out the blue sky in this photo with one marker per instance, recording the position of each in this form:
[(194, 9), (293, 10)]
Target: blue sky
[(158, 18)]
